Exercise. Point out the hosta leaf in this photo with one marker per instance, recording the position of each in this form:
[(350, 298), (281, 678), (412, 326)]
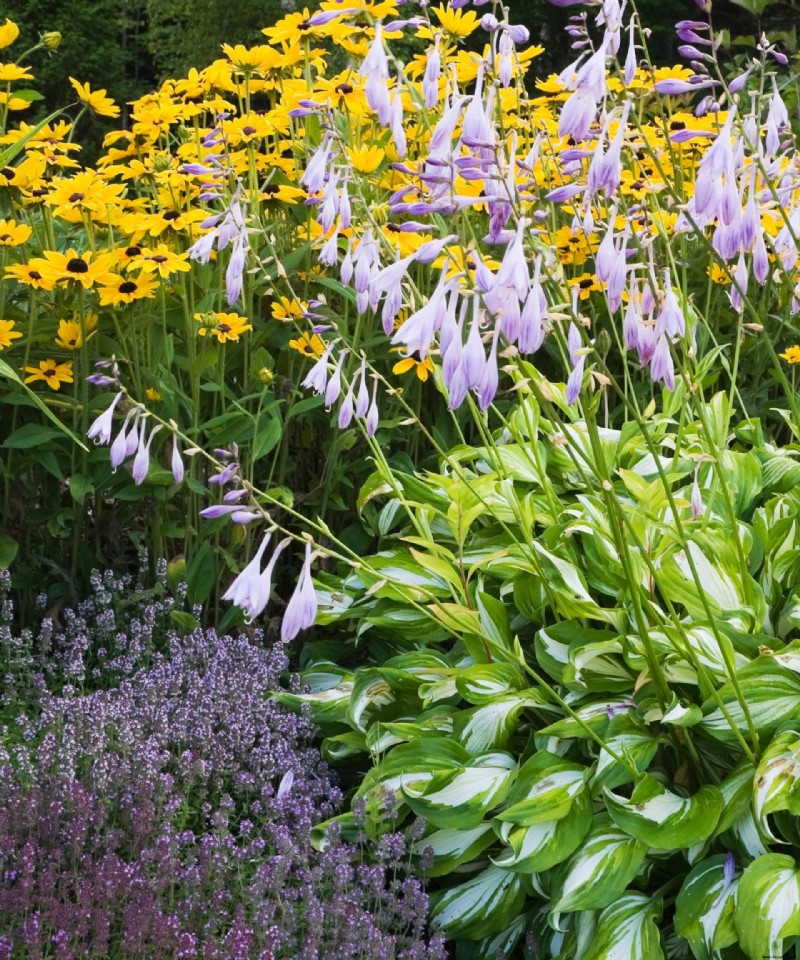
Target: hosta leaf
[(625, 736), (461, 798), (327, 705), (489, 727), (768, 906), (544, 790), (664, 820), (541, 846), (370, 692), (450, 848), (482, 684), (777, 782), (705, 906), (482, 906), (601, 869), (598, 666), (501, 944), (772, 696), (627, 930), (414, 763)]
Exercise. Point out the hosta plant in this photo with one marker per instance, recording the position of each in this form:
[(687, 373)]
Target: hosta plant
[(577, 662)]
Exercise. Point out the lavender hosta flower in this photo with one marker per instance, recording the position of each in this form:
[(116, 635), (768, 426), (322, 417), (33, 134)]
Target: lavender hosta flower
[(176, 462), (490, 378), (417, 332), (578, 361), (373, 416), (100, 429), (245, 584), (334, 386), (375, 71), (301, 610), (313, 177), (141, 462), (397, 126), (676, 88), (433, 70), (317, 377), (696, 498), (670, 321), (234, 274), (346, 407), (119, 448), (738, 290), (661, 365), (362, 396)]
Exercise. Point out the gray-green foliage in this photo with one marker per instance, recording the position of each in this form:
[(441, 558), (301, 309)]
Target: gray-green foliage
[(590, 693)]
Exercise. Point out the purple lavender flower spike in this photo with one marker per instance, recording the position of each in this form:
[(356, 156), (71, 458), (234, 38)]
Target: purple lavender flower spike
[(301, 611), (100, 430)]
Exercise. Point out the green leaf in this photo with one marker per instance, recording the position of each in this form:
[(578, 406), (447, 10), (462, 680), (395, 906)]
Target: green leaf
[(771, 694), (600, 871), (80, 487), (267, 439), (542, 845), (489, 727), (8, 372), (627, 930), (705, 905), (544, 790), (8, 550), (30, 435), (768, 906), (460, 799), (450, 848), (482, 906), (664, 820), (201, 574), (777, 781)]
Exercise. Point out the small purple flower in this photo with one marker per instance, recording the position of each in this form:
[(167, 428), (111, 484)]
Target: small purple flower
[(301, 611), (578, 360), (100, 430)]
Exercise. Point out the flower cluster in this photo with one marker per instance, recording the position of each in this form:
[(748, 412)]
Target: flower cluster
[(166, 810)]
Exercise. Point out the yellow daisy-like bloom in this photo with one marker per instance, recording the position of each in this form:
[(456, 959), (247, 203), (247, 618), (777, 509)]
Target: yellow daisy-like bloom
[(7, 333), (458, 23), (422, 368), (9, 32), (792, 354), (310, 345), (223, 326), (95, 100), (152, 394), (586, 283), (87, 269), (282, 192), (51, 373), (285, 309), (13, 234), (30, 275), (9, 72), (70, 334), (126, 290), (162, 261), (366, 159)]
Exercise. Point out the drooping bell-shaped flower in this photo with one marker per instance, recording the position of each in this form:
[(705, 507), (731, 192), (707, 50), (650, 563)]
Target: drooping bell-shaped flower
[(100, 430), (317, 377), (670, 321), (244, 585), (433, 69), (578, 362), (301, 610), (119, 448), (661, 365), (334, 385), (373, 417), (176, 462), (362, 396), (141, 462)]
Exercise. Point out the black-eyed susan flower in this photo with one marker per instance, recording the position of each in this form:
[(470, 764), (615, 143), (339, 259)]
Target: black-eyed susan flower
[(126, 290), (13, 234), (223, 326), (95, 100), (7, 332), (366, 159), (87, 269), (309, 344), (285, 309), (791, 354), (586, 284), (162, 261), (9, 72), (70, 332), (9, 32), (30, 274), (422, 368), (51, 373)]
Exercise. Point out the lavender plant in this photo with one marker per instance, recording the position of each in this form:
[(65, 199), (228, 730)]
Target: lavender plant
[(156, 801)]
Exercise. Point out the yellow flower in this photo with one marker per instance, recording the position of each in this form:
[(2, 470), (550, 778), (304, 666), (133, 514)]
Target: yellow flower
[(87, 269), (9, 72), (70, 335), (282, 192), (422, 368), (30, 275), (586, 283), (792, 354), (366, 159), (285, 309), (7, 332), (223, 326), (152, 394), (310, 345), (95, 100), (13, 234), (52, 373), (9, 32), (162, 261), (459, 23), (126, 290)]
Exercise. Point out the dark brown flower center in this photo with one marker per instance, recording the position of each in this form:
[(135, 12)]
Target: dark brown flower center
[(75, 197), (128, 286), (171, 215), (133, 252), (248, 131), (77, 265)]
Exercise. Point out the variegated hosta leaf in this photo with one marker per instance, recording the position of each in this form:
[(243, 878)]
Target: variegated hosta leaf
[(328, 704), (664, 820), (705, 906), (601, 869), (484, 905), (434, 722), (541, 846), (414, 763), (450, 848), (768, 906), (461, 798), (544, 790), (486, 682), (597, 664), (771, 693), (627, 930), (489, 727), (487, 949), (625, 736), (777, 784)]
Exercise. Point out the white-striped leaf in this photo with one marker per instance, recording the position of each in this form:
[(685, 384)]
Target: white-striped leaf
[(627, 930), (461, 798), (485, 682), (600, 871), (481, 907), (768, 906), (544, 790), (705, 906), (543, 845), (772, 696), (489, 727), (625, 736), (450, 848), (664, 820), (777, 782)]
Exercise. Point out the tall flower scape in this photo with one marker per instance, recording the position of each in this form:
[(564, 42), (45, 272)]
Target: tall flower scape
[(382, 217)]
